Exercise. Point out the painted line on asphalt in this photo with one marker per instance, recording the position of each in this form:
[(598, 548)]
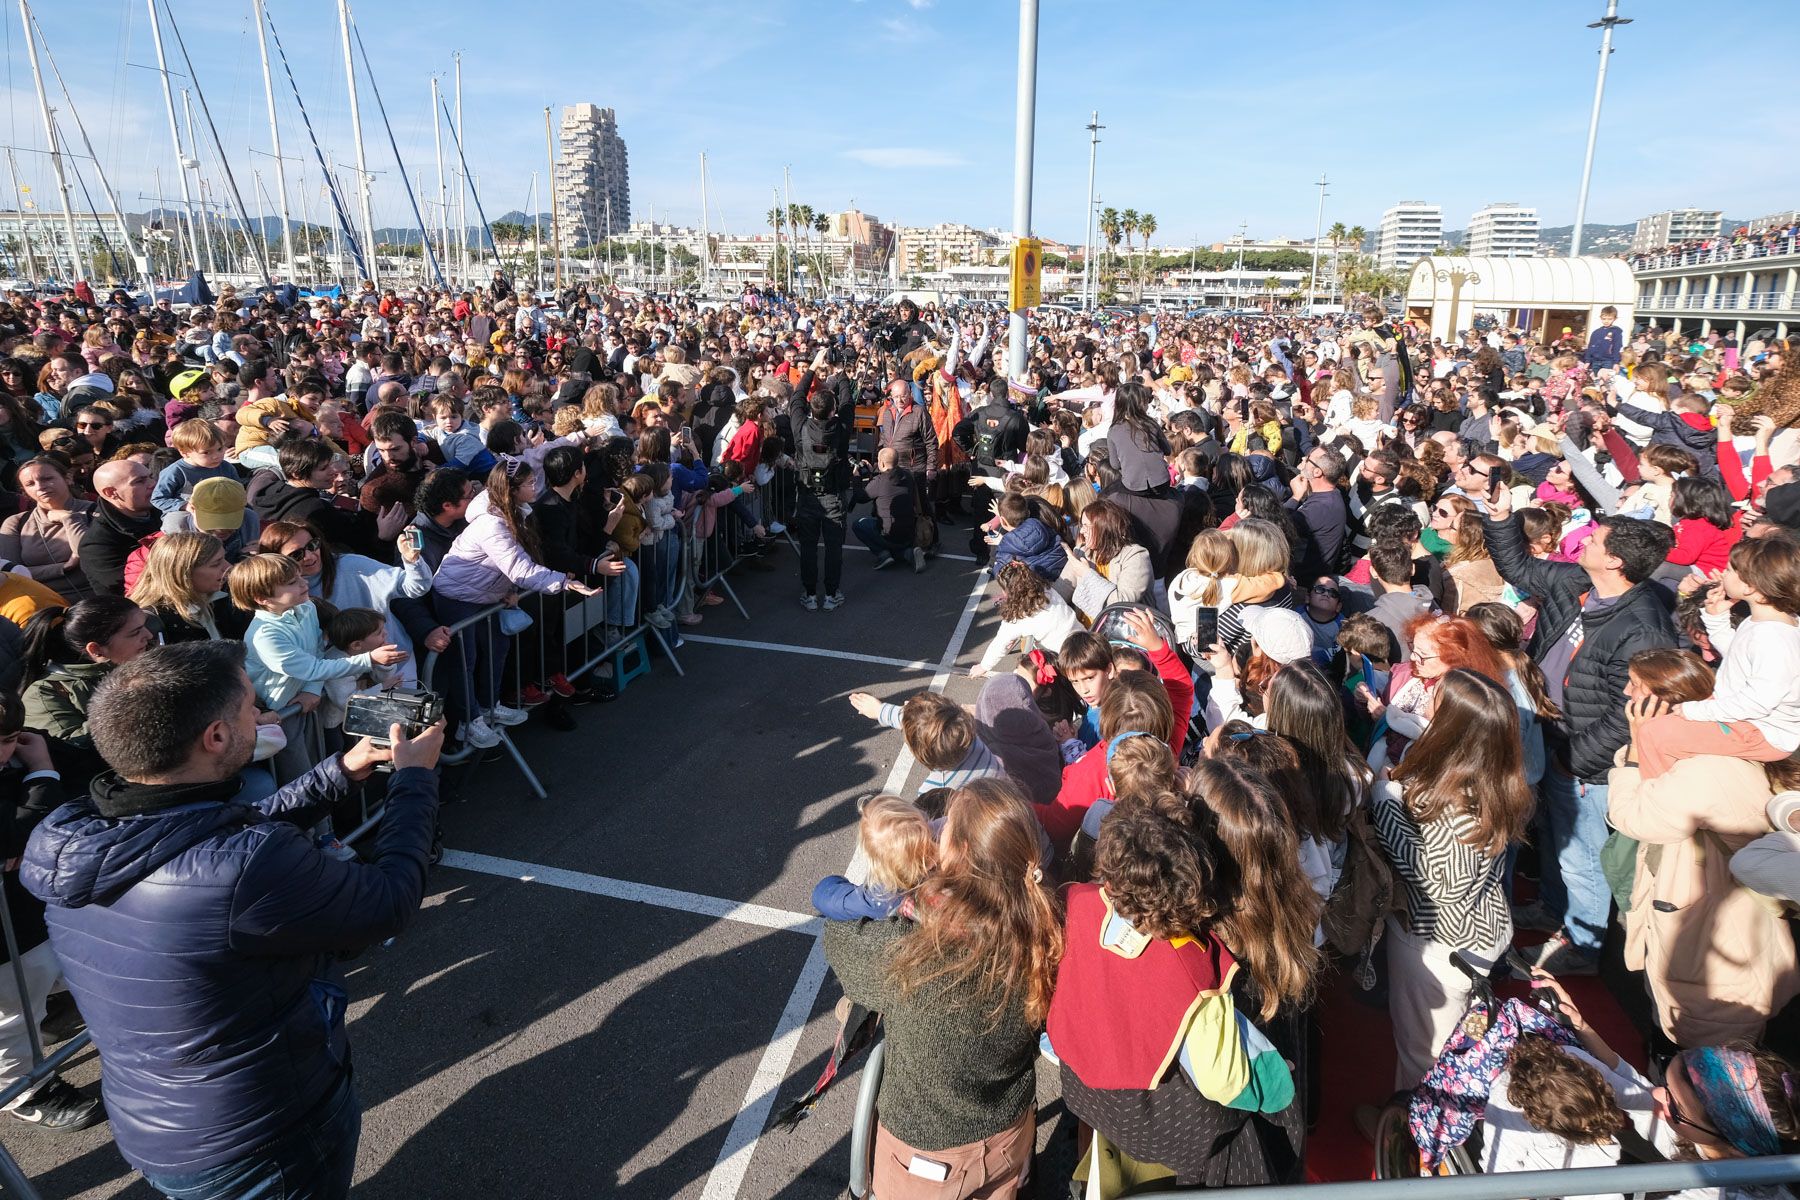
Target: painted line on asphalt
[(727, 1175), (640, 893), (938, 554), (816, 651)]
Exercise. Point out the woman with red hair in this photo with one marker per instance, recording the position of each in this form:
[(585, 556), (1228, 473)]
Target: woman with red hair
[(1440, 644)]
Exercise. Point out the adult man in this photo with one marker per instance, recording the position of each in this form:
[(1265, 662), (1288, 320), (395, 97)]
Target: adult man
[(123, 516), (888, 531), (1593, 615), (441, 506), (404, 459), (821, 433), (905, 425), (309, 471), (1320, 513), (990, 435), (198, 934)]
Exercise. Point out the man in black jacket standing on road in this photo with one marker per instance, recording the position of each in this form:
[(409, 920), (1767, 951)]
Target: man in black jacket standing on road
[(1593, 615), (820, 418), (990, 435)]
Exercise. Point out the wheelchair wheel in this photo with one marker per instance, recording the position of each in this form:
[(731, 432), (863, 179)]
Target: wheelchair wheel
[(862, 1125)]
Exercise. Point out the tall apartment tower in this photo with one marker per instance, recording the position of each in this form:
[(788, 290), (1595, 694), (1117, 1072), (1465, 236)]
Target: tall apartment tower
[(1674, 227), (1410, 230), (593, 171), (1503, 231)]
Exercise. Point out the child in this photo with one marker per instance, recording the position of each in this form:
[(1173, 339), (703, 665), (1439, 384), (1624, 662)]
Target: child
[(1754, 712), (1029, 539), (202, 450), (1606, 344), (1658, 466), (1030, 612), (1685, 426), (350, 632), (285, 650), (1092, 664), (661, 544), (1199, 592), (1139, 768), (896, 838), (941, 735), (462, 448), (1056, 700), (628, 532), (1133, 705)]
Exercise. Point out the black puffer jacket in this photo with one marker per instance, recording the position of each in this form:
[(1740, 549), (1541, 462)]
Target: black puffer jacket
[(1593, 724)]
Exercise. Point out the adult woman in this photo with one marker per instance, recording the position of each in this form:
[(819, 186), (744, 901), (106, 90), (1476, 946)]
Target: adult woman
[(354, 581), (1719, 962), (53, 381), (18, 435), (1439, 645), (1278, 760), (183, 587), (1261, 581), (962, 992), (492, 559), (69, 651), (1505, 632), (1136, 443), (1142, 941), (1109, 567), (1303, 706), (1445, 816), (46, 538), (1473, 576)]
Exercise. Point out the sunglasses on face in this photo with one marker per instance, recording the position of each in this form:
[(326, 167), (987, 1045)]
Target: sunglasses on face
[(1321, 590), (93, 424), (300, 552)]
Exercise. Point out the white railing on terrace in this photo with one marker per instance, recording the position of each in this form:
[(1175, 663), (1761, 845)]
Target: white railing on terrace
[(1723, 302), (1752, 248)]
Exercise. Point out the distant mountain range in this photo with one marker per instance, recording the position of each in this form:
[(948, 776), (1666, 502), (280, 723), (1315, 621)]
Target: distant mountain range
[(269, 227)]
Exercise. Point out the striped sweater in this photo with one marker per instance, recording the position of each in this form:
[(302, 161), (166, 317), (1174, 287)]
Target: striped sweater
[(1453, 890), (978, 763)]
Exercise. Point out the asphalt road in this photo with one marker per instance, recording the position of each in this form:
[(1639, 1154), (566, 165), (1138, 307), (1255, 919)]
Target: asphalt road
[(580, 1035)]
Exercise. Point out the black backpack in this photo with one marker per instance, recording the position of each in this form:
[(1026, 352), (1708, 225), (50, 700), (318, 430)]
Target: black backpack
[(815, 454), (985, 436)]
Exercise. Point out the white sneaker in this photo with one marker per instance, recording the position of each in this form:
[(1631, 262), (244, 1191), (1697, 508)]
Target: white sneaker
[(918, 557), (502, 714), (833, 600), (479, 734), (809, 602)]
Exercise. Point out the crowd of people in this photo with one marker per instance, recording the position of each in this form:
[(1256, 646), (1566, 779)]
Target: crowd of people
[(1323, 647)]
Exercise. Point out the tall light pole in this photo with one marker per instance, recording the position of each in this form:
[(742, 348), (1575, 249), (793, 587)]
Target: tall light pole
[(1087, 252), (1605, 24), (1312, 288), (1024, 130), (1238, 283)]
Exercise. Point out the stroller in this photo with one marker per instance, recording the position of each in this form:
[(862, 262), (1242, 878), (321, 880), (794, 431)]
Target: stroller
[(1435, 1129)]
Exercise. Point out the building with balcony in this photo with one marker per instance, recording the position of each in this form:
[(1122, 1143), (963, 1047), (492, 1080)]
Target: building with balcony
[(1674, 227), (1409, 231), (1748, 283), (593, 180), (946, 244), (1503, 230)]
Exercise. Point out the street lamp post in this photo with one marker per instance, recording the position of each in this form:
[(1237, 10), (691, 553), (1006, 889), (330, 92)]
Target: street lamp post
[(1024, 129), (1605, 24), (1312, 288), (1087, 253)]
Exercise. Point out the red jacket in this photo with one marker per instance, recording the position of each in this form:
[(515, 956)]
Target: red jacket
[(1702, 544)]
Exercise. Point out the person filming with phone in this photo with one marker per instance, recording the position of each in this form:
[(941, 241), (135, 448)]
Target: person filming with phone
[(200, 934)]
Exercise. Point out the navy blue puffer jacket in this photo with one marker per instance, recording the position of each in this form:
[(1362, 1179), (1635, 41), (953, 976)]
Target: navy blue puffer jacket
[(199, 939), (1037, 545)]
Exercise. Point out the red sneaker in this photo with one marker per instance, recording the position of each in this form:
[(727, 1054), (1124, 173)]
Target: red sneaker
[(531, 695), (561, 686)]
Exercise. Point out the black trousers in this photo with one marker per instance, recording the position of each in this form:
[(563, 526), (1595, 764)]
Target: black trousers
[(820, 515)]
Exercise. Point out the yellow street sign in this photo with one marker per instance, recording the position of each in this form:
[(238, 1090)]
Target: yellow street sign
[(1027, 273)]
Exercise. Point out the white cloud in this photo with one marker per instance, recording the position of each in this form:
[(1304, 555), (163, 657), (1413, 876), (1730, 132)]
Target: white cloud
[(905, 157), (903, 30), (920, 4)]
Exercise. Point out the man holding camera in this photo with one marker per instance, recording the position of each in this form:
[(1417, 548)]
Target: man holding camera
[(199, 934)]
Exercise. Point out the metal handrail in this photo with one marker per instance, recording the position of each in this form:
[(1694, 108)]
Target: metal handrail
[(1531, 1185)]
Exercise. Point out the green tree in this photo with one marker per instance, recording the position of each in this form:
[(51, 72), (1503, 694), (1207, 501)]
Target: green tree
[(1112, 225)]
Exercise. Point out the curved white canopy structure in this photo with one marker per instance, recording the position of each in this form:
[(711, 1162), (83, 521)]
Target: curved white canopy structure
[(1541, 294)]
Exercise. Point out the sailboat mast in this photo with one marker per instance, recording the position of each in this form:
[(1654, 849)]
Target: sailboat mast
[(362, 165), (187, 199), (187, 105), (537, 236), (287, 225), (437, 138), (705, 240), (462, 191), (77, 267), (12, 167)]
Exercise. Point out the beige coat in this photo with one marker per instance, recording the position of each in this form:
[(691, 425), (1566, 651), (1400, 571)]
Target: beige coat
[(1719, 958), (1476, 581), (49, 546)]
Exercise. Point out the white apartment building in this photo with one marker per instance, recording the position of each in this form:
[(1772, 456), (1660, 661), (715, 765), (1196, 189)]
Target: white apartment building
[(1409, 231), (946, 244), (593, 180), (1674, 227), (1503, 230)]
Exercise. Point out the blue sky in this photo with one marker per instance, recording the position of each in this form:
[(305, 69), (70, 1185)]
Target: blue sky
[(1215, 113)]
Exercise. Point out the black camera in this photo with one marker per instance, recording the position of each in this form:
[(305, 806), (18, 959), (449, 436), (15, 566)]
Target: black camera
[(372, 714)]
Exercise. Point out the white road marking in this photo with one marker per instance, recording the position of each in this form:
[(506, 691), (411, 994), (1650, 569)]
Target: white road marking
[(816, 651), (641, 893), (938, 554), (746, 1130)]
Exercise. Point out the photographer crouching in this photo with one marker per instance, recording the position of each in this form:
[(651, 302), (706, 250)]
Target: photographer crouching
[(198, 934)]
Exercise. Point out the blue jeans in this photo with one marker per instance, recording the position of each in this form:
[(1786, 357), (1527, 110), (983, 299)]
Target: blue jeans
[(312, 1161), (868, 531), (621, 593), (1572, 882)]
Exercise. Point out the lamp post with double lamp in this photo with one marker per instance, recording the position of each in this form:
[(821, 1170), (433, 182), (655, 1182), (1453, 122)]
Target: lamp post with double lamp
[(1024, 129), (1606, 25), (1312, 287), (1087, 253)]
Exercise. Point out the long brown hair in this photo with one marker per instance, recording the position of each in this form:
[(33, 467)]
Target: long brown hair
[(1469, 761), (1506, 632), (988, 922), (503, 482), (1268, 911)]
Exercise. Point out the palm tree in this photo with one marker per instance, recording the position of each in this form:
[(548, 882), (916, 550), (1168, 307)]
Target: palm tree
[(1358, 235), (1146, 226), (1336, 235), (1111, 225), (1128, 224)]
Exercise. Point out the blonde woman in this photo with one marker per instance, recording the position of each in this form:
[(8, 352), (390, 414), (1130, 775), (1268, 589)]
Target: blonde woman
[(183, 586), (1260, 581), (1473, 576)]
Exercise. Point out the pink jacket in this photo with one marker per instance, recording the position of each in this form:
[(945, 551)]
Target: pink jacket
[(486, 562)]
